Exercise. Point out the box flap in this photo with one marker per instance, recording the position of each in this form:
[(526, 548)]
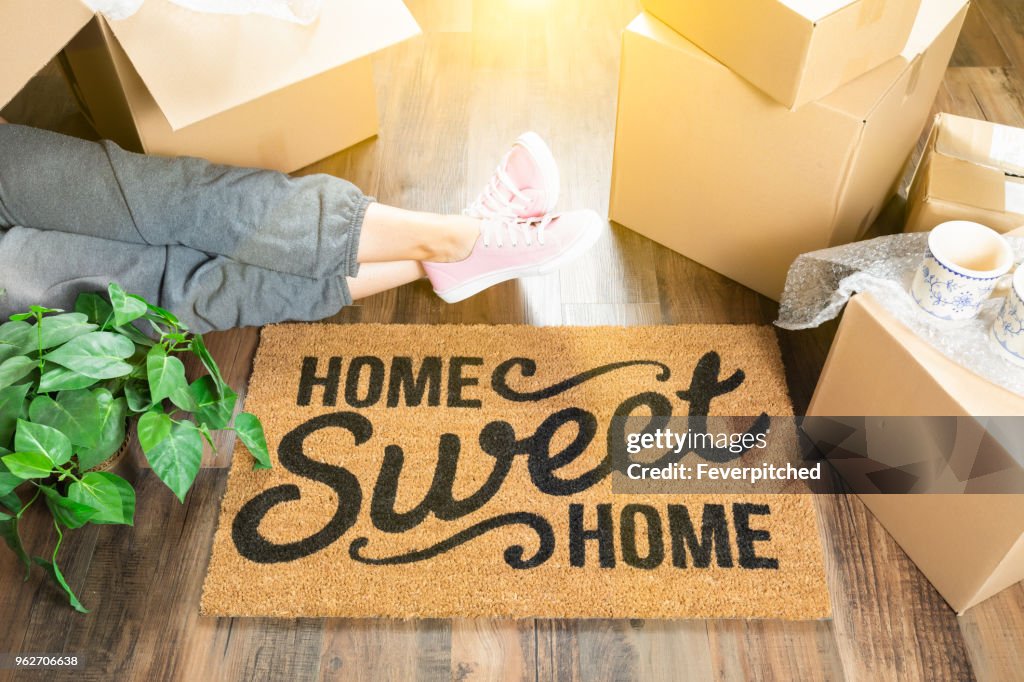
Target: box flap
[(197, 65), (816, 10), (973, 394), (31, 33), (980, 142), (1009, 571), (932, 20), (860, 97)]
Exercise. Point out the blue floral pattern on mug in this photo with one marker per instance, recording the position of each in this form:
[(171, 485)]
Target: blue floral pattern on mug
[(948, 294), (1008, 329)]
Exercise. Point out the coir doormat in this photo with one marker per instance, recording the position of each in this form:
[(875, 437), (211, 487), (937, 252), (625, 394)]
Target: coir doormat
[(459, 471)]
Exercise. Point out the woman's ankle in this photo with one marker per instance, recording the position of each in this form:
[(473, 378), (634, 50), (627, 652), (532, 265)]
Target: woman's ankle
[(455, 240)]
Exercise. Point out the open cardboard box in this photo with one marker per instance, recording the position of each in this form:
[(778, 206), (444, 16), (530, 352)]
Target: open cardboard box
[(711, 167), (244, 90), (797, 51), (970, 546), (971, 170)]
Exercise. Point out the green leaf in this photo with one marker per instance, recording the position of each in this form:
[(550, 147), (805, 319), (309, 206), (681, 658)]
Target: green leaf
[(166, 373), (137, 394), (176, 458), (57, 378), (8, 482), (76, 414), (95, 308), (250, 432), (21, 317), (126, 308), (182, 399), (9, 532), (56, 576), (112, 428), (26, 465), (67, 512), (42, 310), (100, 355), (59, 329), (111, 496), (12, 400), (198, 346), (30, 437), (207, 435), (136, 336), (16, 337), (166, 316), (153, 428), (15, 368), (11, 501), (213, 408)]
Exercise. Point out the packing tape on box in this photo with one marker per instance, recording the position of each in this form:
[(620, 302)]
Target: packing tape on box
[(871, 11), (1008, 147), (821, 282)]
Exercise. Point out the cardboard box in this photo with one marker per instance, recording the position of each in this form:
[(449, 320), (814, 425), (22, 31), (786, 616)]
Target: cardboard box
[(244, 90), (969, 546), (971, 170), (712, 168), (797, 51)]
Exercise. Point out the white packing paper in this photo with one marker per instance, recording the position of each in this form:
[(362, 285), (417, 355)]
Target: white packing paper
[(115, 9), (821, 282), (296, 11), (1014, 202)]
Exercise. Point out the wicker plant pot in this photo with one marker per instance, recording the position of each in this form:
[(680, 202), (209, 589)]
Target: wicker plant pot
[(123, 462)]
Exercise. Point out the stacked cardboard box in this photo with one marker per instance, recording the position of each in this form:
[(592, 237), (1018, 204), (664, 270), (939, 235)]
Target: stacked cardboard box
[(246, 90), (971, 170), (710, 165), (970, 546)]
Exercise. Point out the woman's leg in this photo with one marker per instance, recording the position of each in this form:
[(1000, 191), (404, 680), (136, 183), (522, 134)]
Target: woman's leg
[(395, 234), (374, 278), (206, 292), (309, 226)]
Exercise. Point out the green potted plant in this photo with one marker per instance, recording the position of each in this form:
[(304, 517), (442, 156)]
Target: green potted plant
[(71, 384)]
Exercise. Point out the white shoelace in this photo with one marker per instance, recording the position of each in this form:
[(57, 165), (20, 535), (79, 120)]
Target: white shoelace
[(499, 228), (492, 202)]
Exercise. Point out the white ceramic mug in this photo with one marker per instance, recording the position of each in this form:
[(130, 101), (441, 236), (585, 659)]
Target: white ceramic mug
[(1008, 328), (961, 268)]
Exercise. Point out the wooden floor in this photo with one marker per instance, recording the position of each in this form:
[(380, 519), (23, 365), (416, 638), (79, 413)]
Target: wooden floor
[(450, 102)]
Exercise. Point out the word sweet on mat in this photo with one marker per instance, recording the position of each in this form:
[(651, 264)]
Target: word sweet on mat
[(414, 384)]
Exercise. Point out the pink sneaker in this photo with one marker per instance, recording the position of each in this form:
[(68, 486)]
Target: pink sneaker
[(510, 248), (525, 184)]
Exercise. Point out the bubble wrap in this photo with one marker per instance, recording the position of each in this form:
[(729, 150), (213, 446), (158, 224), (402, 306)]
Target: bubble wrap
[(821, 282)]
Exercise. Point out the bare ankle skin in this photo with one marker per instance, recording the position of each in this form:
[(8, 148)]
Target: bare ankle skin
[(394, 234)]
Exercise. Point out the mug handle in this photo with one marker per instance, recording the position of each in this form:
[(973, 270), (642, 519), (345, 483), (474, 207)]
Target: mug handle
[(1006, 281)]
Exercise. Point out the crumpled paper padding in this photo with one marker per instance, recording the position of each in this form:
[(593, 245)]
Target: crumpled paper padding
[(115, 9), (821, 282), (296, 11)]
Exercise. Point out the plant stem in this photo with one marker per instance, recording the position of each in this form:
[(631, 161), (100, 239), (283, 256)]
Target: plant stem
[(29, 503), (39, 338)]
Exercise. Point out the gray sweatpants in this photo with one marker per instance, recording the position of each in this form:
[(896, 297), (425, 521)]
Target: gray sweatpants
[(219, 246)]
